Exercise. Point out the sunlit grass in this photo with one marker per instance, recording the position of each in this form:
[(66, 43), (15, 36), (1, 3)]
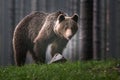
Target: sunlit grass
[(87, 70)]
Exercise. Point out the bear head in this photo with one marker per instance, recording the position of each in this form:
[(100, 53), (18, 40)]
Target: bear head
[(65, 26)]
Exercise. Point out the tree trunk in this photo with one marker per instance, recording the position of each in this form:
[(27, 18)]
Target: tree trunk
[(12, 29), (86, 23), (103, 29), (97, 29)]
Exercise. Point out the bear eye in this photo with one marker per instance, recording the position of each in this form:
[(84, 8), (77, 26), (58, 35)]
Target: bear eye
[(66, 27)]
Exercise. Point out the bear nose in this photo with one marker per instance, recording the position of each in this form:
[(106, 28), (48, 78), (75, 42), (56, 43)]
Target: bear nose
[(70, 37), (68, 34)]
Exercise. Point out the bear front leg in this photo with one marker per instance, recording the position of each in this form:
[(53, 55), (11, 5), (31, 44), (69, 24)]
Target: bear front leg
[(57, 47), (40, 51)]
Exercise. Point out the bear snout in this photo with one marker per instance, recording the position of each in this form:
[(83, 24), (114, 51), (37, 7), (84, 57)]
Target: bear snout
[(68, 34)]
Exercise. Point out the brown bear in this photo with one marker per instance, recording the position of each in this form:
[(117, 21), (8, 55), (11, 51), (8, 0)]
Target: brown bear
[(39, 29)]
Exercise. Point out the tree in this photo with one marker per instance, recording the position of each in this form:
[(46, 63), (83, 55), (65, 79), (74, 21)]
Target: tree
[(86, 23)]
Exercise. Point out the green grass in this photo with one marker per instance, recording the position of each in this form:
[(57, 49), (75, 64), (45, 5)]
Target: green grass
[(88, 70)]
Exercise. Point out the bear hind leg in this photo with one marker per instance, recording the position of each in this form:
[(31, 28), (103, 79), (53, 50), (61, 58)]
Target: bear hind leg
[(20, 55)]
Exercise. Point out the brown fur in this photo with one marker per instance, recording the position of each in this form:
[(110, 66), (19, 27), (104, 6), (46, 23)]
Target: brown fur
[(34, 33)]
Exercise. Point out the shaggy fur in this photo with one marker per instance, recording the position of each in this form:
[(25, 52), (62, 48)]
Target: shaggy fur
[(36, 31)]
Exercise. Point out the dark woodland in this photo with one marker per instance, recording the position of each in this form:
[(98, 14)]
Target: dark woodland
[(98, 36)]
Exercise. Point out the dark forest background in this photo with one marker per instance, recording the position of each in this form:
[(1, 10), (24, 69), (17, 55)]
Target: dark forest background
[(98, 36)]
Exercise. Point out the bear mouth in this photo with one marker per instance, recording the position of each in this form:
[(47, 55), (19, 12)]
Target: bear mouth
[(68, 38)]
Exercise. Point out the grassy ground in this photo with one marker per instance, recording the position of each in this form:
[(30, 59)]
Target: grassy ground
[(90, 70)]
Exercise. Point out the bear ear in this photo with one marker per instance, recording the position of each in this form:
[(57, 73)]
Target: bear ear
[(61, 17), (75, 17)]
